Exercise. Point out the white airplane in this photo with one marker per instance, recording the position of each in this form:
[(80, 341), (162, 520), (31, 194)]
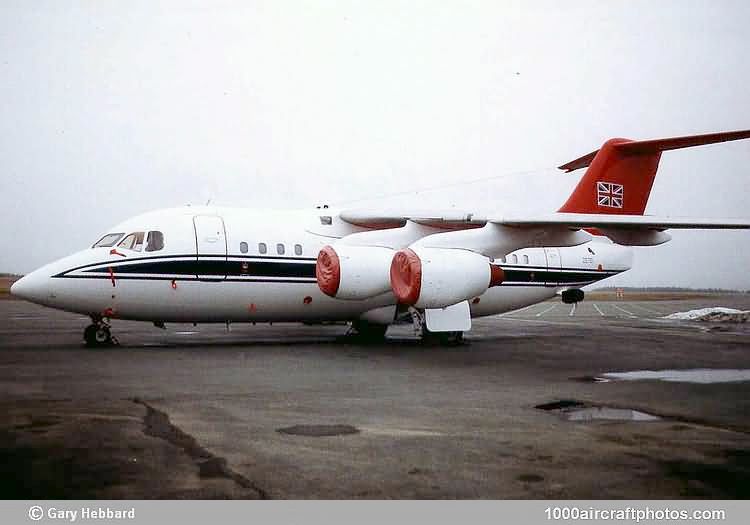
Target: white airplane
[(369, 267)]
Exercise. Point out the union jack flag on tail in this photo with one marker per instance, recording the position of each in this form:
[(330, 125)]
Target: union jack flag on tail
[(609, 194)]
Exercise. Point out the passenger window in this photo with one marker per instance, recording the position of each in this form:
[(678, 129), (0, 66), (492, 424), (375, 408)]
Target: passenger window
[(262, 247), (154, 241), (280, 249), (243, 247), (108, 240), (514, 258), (297, 249), (526, 259), (133, 241)]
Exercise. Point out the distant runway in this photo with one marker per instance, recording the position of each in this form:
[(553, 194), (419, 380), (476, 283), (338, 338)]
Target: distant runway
[(524, 409)]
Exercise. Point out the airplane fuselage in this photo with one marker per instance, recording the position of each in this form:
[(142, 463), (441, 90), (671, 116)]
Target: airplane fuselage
[(370, 267), (199, 264)]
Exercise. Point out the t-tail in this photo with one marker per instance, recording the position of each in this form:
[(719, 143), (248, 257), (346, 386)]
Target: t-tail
[(621, 173)]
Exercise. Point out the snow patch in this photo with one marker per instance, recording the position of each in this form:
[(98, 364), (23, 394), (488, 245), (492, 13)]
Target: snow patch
[(697, 375), (715, 314)]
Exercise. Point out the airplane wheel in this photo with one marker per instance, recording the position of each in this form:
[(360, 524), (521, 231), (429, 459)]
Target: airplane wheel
[(370, 332), (443, 338), (454, 338), (89, 335), (97, 335)]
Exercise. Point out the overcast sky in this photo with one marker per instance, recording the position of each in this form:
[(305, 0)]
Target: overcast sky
[(110, 109)]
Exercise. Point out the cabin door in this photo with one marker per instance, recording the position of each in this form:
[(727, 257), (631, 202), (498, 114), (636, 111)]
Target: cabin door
[(210, 247), (553, 266)]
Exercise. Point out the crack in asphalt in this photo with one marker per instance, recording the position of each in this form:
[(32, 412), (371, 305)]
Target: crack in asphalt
[(157, 424)]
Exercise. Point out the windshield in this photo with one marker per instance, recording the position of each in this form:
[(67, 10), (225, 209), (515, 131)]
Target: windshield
[(108, 240), (133, 241), (154, 241)]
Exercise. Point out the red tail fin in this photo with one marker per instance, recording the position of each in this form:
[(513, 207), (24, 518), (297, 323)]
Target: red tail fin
[(621, 173)]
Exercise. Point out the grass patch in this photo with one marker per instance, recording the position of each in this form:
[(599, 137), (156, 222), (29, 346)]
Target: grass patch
[(5, 284)]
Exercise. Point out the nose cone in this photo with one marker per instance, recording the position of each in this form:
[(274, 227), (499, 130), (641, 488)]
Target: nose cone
[(33, 287)]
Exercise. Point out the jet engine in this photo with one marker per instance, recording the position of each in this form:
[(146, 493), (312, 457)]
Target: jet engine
[(353, 272), (440, 277)]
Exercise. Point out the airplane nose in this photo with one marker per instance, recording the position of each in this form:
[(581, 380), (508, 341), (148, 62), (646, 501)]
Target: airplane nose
[(32, 287)]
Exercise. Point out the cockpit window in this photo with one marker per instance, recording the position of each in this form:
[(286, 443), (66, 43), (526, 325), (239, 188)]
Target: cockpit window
[(154, 241), (108, 240), (132, 241)]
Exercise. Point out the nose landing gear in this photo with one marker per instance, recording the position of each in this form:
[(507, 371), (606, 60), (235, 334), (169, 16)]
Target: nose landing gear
[(98, 333)]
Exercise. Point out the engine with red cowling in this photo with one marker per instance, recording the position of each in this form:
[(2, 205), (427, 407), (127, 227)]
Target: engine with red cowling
[(353, 272), (440, 277)]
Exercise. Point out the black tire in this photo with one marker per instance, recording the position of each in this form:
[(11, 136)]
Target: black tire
[(442, 338), (89, 335), (370, 332), (97, 335), (454, 338)]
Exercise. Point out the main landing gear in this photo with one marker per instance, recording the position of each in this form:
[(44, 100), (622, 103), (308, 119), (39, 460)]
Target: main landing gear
[(442, 338), (98, 333), (433, 338), (369, 332)]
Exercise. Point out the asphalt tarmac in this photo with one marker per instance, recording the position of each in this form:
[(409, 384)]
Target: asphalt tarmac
[(291, 411)]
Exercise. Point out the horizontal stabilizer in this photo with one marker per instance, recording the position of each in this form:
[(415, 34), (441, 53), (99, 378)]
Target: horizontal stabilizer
[(637, 147)]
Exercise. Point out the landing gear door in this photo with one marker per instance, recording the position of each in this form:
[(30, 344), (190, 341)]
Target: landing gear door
[(454, 318), (210, 247), (553, 266)]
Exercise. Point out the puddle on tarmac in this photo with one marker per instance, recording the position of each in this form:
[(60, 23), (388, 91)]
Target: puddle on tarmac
[(572, 410), (319, 430), (563, 404), (591, 379), (696, 375), (608, 414)]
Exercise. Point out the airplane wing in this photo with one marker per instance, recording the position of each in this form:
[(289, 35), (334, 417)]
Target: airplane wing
[(484, 234), (612, 194), (455, 219), (629, 222)]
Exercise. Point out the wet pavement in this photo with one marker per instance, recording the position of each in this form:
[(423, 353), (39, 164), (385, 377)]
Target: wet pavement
[(289, 411)]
